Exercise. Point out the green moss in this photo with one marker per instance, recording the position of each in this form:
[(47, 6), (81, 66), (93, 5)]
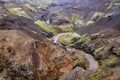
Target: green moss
[(18, 11), (65, 28), (97, 50), (67, 39), (82, 42), (95, 76), (102, 52), (108, 14), (97, 16), (79, 57), (111, 4), (3, 15), (76, 21), (52, 28), (45, 26), (74, 38), (106, 74), (84, 38), (30, 7), (44, 3), (74, 18), (112, 61)]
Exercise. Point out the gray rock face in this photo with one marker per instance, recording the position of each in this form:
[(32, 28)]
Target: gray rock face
[(78, 71)]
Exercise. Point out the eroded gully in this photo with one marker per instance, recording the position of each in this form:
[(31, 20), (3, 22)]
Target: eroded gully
[(93, 64)]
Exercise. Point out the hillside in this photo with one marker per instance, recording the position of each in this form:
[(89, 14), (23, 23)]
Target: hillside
[(59, 39)]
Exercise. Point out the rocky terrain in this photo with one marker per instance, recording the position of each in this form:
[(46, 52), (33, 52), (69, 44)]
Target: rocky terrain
[(59, 40)]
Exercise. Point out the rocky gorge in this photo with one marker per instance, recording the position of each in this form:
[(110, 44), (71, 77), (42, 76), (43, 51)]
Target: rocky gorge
[(59, 40)]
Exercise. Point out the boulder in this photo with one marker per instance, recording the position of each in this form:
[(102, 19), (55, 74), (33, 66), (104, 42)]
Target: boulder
[(73, 75)]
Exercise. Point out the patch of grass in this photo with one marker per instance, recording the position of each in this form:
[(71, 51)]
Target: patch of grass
[(45, 26), (3, 15), (44, 3), (111, 4), (67, 39), (73, 38), (65, 28), (18, 11), (84, 38), (53, 28), (79, 57), (30, 7), (112, 61), (97, 16), (95, 76)]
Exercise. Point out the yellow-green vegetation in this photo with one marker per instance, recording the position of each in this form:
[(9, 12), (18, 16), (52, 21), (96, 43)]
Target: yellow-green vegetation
[(80, 23), (99, 49), (111, 4), (3, 15), (65, 28), (105, 69), (84, 38), (76, 19), (89, 22), (53, 28), (79, 57), (41, 5), (102, 52), (112, 61), (44, 3), (95, 76), (67, 39), (108, 14), (45, 26), (18, 11), (106, 74), (30, 7), (97, 16)]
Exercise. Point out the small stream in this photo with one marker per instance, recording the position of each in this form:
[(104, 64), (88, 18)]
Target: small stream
[(93, 64)]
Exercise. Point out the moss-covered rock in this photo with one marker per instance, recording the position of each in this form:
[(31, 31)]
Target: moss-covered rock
[(83, 44), (107, 74), (102, 52), (111, 62), (68, 39)]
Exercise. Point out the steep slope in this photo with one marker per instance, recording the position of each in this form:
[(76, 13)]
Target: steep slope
[(89, 11), (105, 23), (25, 54), (28, 53)]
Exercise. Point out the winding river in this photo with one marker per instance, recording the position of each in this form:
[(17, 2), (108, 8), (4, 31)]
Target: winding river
[(93, 64)]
